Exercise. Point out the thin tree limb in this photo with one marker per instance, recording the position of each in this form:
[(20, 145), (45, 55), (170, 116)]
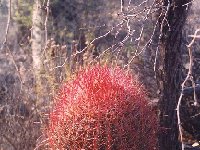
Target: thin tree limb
[(188, 77)]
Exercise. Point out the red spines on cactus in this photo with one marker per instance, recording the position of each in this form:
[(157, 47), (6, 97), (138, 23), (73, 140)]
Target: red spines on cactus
[(102, 109)]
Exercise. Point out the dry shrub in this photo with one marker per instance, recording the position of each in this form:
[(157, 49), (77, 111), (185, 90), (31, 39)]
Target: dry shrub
[(102, 109)]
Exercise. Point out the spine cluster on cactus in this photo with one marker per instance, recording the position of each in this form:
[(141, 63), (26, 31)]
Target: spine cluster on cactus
[(102, 109)]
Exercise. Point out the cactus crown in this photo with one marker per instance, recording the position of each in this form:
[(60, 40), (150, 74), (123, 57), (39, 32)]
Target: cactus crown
[(102, 109)]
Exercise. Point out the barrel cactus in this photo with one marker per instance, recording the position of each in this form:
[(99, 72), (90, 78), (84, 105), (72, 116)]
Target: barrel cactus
[(102, 108)]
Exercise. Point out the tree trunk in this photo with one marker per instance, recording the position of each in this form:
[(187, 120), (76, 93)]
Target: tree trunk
[(169, 72), (36, 40), (37, 36)]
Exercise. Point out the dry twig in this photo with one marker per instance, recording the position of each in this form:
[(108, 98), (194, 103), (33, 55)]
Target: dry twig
[(46, 21)]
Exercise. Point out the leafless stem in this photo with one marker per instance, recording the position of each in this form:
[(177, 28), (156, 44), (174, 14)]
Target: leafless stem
[(46, 21), (122, 6), (188, 77), (7, 26), (4, 45), (160, 36), (44, 142)]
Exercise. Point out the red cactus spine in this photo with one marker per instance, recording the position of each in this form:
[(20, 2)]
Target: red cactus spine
[(102, 109)]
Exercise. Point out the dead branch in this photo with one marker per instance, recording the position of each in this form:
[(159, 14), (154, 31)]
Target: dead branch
[(7, 26), (189, 77), (46, 21)]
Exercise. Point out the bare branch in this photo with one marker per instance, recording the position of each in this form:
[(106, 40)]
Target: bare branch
[(188, 77), (7, 26), (160, 36), (46, 21), (122, 6)]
